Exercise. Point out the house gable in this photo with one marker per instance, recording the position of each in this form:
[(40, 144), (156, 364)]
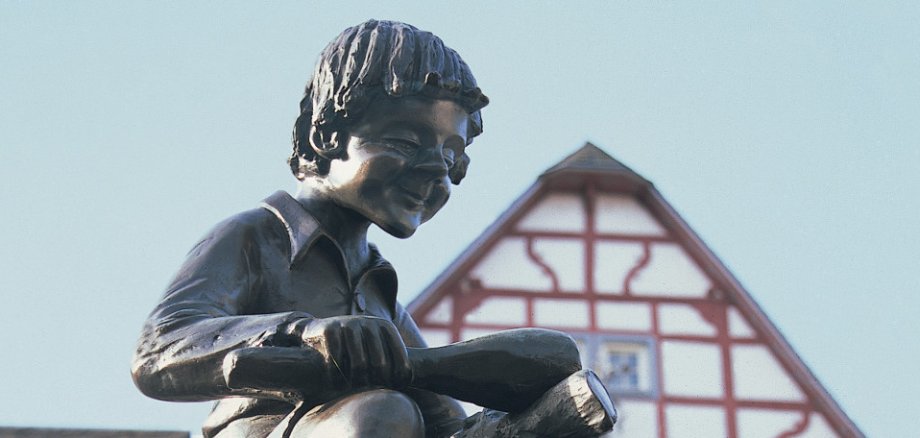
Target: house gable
[(593, 249)]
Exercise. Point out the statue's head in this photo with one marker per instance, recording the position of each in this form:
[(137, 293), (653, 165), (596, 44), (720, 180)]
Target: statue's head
[(384, 124), (373, 60)]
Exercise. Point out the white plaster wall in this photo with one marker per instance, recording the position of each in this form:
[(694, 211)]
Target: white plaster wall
[(441, 313), (636, 419), (470, 333), (624, 316), (758, 375), (818, 428), (436, 337), (561, 313), (566, 258), (612, 262), (738, 326), (670, 272), (683, 319), (470, 408), (555, 212), (765, 423), (584, 352), (687, 421), (692, 369), (510, 311), (507, 266), (622, 214)]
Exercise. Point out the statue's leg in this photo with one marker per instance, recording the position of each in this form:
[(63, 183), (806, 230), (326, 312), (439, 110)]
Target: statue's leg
[(577, 407), (379, 413)]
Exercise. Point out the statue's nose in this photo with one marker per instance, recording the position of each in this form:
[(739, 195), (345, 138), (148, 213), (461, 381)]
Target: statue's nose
[(432, 162)]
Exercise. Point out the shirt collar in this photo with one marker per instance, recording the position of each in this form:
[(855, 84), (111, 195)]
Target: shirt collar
[(303, 229)]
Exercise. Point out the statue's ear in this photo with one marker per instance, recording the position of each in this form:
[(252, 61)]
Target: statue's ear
[(326, 144)]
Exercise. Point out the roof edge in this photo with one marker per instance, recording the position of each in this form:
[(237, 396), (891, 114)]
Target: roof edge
[(591, 158), (746, 303)]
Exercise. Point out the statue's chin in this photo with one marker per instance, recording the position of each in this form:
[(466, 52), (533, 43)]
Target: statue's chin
[(401, 231)]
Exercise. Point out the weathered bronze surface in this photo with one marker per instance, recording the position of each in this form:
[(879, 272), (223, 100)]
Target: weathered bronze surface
[(287, 316)]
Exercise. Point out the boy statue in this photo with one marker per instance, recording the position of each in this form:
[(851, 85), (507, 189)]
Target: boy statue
[(288, 317)]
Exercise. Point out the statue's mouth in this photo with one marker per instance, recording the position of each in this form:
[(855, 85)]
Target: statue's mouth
[(414, 199), (418, 195)]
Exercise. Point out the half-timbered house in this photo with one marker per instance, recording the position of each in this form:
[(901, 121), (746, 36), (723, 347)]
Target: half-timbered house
[(593, 249)]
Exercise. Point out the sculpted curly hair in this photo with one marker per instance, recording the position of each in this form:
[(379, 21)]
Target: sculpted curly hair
[(373, 59)]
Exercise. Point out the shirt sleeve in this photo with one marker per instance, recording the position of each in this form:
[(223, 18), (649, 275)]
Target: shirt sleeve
[(443, 415), (180, 353)]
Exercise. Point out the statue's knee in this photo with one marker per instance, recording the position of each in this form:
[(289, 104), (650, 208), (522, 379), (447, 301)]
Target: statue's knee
[(375, 413), (383, 409)]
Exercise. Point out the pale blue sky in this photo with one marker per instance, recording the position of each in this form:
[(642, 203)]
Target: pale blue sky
[(785, 133)]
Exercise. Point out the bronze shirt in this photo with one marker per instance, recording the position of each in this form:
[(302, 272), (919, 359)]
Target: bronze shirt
[(248, 278)]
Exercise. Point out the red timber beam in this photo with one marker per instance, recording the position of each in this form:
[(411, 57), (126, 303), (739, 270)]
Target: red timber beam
[(739, 296)]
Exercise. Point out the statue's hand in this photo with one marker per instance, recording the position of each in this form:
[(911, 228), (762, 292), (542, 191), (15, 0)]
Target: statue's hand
[(359, 351)]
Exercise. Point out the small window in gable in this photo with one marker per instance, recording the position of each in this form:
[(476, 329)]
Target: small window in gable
[(626, 364), (622, 370)]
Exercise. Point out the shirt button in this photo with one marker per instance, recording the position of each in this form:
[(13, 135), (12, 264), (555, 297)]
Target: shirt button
[(360, 303)]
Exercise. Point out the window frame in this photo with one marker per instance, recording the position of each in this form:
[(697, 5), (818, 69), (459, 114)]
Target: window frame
[(593, 343)]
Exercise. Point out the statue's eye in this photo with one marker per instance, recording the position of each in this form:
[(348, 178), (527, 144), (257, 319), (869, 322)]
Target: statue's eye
[(403, 145), (450, 156)]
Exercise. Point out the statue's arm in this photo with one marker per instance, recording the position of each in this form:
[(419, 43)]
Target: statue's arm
[(443, 415), (198, 322), (533, 373)]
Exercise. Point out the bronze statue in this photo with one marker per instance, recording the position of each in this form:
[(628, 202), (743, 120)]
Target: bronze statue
[(288, 317)]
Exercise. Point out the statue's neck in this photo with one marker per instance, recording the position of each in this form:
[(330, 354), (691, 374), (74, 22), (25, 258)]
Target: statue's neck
[(345, 226)]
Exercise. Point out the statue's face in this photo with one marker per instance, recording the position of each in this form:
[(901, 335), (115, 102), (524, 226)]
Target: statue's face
[(397, 158)]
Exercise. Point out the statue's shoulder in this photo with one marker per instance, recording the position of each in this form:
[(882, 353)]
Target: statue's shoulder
[(254, 229), (256, 220)]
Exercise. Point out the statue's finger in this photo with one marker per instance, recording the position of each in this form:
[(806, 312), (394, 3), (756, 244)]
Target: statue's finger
[(357, 355), (399, 358), (377, 356), (334, 350)]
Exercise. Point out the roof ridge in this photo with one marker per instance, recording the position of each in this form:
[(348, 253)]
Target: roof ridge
[(590, 158)]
